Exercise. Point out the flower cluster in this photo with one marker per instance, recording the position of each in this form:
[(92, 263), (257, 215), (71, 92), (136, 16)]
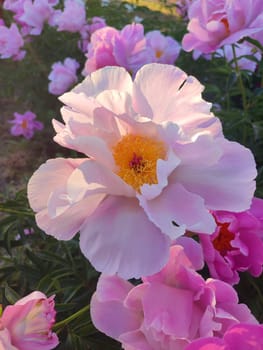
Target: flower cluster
[(169, 309), (129, 48), (27, 324)]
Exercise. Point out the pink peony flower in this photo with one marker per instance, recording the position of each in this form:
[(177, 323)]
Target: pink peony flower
[(167, 310), (25, 124), (72, 18), (29, 322), (215, 23), (35, 14), (11, 42), (241, 336), (165, 48), (62, 76), (158, 163), (236, 245), (5, 341), (126, 48), (242, 51)]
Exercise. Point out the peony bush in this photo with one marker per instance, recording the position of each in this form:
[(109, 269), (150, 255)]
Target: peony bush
[(131, 202)]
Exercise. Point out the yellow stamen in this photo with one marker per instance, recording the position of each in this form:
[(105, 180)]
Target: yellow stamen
[(136, 157)]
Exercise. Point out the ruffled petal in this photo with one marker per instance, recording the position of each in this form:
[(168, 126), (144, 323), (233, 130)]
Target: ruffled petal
[(181, 210)]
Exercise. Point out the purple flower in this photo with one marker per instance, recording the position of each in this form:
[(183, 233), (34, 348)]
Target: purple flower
[(25, 124), (236, 245), (34, 14), (73, 18), (11, 42), (165, 48), (62, 76)]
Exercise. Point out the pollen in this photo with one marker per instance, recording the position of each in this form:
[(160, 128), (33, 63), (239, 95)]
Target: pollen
[(158, 53), (222, 242), (24, 124), (226, 24), (136, 158)]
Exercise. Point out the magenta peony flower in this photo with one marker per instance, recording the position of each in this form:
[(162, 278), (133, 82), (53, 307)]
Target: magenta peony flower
[(29, 322), (126, 48), (35, 14), (241, 336), (62, 76), (168, 310), (72, 18), (158, 163), (11, 42), (236, 245), (215, 23), (165, 48), (25, 124)]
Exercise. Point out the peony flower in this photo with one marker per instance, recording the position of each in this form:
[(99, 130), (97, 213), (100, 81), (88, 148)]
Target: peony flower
[(158, 164), (29, 322), (62, 76), (126, 48), (165, 48), (168, 310), (215, 23), (25, 124), (240, 336), (11, 42), (5, 341), (236, 245), (72, 18), (35, 14)]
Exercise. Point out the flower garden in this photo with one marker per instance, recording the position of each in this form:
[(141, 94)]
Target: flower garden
[(131, 202)]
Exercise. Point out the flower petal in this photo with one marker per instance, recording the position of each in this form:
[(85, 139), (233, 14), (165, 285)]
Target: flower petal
[(119, 238), (185, 209)]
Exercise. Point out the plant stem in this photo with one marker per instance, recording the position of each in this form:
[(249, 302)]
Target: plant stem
[(243, 92), (64, 322)]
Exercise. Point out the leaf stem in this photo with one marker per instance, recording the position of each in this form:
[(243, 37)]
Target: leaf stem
[(242, 91), (67, 320)]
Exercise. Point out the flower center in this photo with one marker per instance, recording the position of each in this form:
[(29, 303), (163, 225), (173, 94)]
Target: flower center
[(226, 24), (24, 124), (223, 239), (137, 156), (158, 53)]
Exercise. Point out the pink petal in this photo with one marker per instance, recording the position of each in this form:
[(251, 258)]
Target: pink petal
[(50, 175), (227, 185), (107, 78), (108, 313), (119, 238), (92, 177), (66, 225), (178, 205)]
